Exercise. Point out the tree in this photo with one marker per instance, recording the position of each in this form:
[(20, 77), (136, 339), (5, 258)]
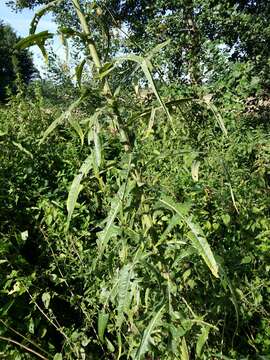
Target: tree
[(13, 63), (193, 26)]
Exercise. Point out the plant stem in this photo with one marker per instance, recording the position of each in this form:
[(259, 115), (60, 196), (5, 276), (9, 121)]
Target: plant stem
[(24, 347), (85, 28), (97, 62)]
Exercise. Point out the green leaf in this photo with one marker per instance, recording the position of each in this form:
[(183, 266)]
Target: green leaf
[(148, 332), (38, 15), (35, 39), (61, 118), (184, 350), (226, 219), (102, 324), (196, 235), (109, 231), (226, 283), (195, 170), (76, 126), (110, 346), (123, 293), (3, 133), (78, 72), (58, 356), (218, 117), (202, 340), (97, 146), (157, 48), (31, 326), (46, 298), (76, 186), (146, 65), (105, 70), (24, 235)]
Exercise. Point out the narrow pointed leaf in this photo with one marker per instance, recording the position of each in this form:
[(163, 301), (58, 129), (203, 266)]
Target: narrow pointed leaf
[(97, 146), (35, 39), (195, 235), (184, 350), (61, 119), (76, 186), (202, 340), (147, 334), (105, 235), (102, 324), (78, 72), (157, 49), (76, 126), (218, 118), (226, 283), (123, 293), (38, 15), (146, 66)]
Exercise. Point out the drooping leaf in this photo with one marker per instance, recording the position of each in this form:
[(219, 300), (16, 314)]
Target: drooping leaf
[(195, 235), (38, 15), (61, 118), (102, 324), (35, 39), (146, 65), (226, 283), (148, 332), (218, 118), (151, 53), (151, 122), (76, 126), (105, 70), (157, 48)]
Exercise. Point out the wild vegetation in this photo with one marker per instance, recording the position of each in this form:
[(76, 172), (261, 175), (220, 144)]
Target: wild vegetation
[(134, 195)]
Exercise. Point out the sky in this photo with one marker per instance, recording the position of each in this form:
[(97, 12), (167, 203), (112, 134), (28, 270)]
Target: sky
[(20, 22)]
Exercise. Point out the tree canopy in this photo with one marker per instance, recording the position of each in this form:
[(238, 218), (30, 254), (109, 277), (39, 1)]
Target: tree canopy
[(13, 63), (196, 28)]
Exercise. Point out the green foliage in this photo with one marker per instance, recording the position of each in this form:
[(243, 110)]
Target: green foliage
[(13, 64), (125, 236)]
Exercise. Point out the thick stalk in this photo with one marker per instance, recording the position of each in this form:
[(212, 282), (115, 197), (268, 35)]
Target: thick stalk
[(91, 45), (97, 62)]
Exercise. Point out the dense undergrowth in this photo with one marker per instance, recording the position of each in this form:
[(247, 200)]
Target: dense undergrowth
[(125, 276)]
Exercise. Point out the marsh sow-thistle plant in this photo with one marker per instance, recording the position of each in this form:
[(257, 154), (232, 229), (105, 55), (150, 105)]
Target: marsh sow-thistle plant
[(133, 301)]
